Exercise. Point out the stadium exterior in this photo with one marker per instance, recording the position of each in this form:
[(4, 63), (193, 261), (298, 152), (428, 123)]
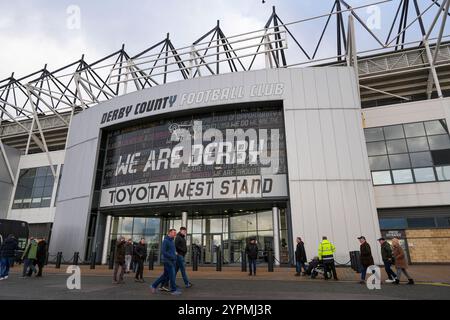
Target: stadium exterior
[(355, 146)]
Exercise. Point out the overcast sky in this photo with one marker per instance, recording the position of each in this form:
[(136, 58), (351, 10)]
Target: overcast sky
[(33, 33)]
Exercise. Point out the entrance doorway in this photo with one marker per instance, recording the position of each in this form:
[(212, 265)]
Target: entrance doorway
[(211, 244)]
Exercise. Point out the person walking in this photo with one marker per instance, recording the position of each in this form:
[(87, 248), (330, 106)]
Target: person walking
[(181, 248), (128, 254), (366, 258), (7, 255), (400, 261), (326, 255), (41, 254), (140, 253), (388, 259), (119, 261), (251, 249), (169, 257), (29, 258), (300, 257)]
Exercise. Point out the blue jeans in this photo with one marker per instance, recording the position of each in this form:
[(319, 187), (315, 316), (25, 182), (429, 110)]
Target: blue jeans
[(391, 274), (182, 267), (5, 263), (252, 265), (299, 265), (28, 263), (363, 273), (168, 275)]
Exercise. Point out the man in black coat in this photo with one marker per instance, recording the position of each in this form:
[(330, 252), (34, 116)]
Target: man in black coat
[(366, 258), (252, 254), (388, 260), (7, 254), (300, 257), (181, 247), (119, 261), (140, 253)]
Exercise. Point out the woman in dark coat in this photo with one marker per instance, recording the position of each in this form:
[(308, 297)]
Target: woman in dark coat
[(300, 257), (366, 257)]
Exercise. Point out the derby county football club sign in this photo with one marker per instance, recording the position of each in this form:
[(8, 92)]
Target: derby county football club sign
[(216, 156)]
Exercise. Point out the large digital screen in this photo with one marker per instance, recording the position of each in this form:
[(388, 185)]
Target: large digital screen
[(220, 155)]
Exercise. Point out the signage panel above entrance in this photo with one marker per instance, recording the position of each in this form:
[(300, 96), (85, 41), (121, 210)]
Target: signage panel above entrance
[(221, 155)]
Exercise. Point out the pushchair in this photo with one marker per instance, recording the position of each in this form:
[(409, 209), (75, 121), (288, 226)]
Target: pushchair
[(315, 268)]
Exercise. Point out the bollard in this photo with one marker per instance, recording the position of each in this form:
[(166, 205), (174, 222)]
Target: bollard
[(243, 262), (219, 260), (58, 260), (75, 258), (270, 261), (93, 256), (151, 261), (195, 260)]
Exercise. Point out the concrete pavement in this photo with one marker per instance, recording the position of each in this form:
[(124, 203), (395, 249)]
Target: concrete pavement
[(231, 283)]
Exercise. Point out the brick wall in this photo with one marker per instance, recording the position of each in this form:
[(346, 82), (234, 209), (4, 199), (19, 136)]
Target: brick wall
[(429, 245)]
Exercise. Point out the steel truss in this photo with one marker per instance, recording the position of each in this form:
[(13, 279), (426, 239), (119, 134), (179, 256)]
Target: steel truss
[(44, 102)]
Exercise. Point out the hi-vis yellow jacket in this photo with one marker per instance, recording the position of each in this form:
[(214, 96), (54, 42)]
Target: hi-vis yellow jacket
[(326, 250)]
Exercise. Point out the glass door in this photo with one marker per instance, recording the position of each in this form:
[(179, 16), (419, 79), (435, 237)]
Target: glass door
[(211, 243)]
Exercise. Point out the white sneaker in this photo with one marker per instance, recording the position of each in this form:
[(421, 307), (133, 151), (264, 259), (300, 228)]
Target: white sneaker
[(2, 278), (389, 281)]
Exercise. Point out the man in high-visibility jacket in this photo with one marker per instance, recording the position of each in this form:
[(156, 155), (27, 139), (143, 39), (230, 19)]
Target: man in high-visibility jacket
[(326, 251)]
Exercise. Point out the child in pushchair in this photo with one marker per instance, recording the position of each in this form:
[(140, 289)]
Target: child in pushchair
[(315, 268)]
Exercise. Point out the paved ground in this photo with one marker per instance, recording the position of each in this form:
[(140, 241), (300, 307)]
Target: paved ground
[(228, 284), (100, 287)]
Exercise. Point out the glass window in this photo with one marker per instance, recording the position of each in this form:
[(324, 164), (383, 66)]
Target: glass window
[(402, 176), (443, 222), (421, 159), (439, 142), (283, 220), (373, 134), (399, 161), (243, 222), (41, 172), (441, 157), (436, 127), (177, 224), (417, 144), (379, 163), (139, 226), (239, 236), (34, 188), (196, 226), (414, 129), (376, 148), (424, 174), (396, 146), (394, 132), (152, 226), (381, 177), (265, 221), (421, 223), (392, 223), (125, 225), (443, 173), (213, 225)]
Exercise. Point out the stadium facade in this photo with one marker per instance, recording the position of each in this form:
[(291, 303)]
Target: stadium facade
[(359, 146)]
